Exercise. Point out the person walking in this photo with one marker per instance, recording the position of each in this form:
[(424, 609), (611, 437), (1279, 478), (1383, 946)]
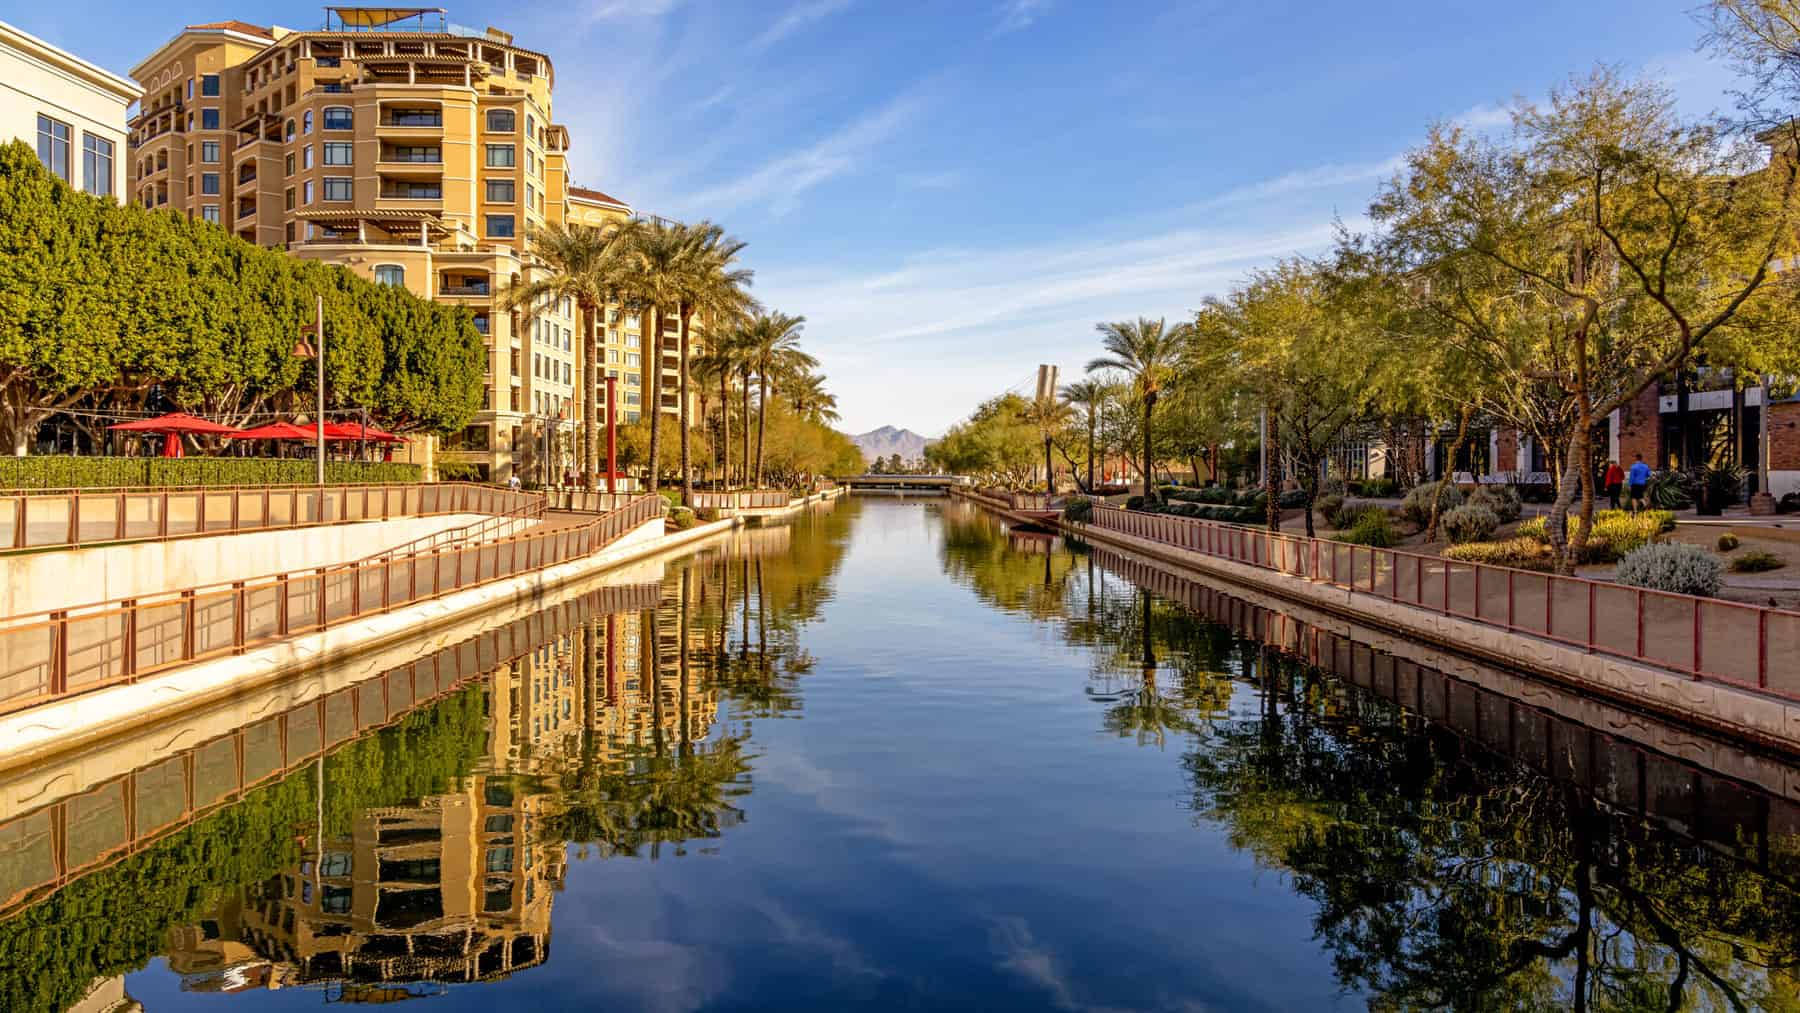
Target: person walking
[(1639, 478), (1615, 477), (512, 482)]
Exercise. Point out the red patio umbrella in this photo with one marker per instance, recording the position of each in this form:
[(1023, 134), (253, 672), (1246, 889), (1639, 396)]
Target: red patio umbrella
[(352, 432), (279, 431), (175, 422)]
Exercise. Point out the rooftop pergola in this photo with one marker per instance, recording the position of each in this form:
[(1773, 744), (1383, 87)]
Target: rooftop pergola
[(387, 19)]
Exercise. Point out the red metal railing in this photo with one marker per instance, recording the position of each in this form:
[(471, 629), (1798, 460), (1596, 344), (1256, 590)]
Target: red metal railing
[(1742, 644), (583, 501), (49, 655), (70, 517)]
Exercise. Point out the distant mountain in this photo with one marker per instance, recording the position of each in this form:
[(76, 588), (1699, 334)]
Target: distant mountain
[(888, 441)]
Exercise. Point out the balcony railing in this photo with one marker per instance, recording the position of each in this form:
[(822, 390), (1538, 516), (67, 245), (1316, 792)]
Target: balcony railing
[(434, 157), (404, 119), (474, 289), (414, 193)]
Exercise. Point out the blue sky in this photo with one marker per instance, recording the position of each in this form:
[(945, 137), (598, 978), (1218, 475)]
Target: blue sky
[(953, 192)]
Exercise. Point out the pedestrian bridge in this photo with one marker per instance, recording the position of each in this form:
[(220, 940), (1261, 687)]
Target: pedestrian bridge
[(903, 483)]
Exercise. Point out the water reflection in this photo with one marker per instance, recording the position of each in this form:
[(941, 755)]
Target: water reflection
[(957, 820), (409, 833), (1461, 849)]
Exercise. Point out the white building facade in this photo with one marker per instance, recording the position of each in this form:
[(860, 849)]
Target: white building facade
[(70, 111)]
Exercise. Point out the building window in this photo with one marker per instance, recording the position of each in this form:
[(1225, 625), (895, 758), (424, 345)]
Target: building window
[(390, 274), (210, 212), (500, 191), (306, 122), (530, 193), (339, 118), (96, 165), (290, 130), (209, 183), (530, 125), (190, 89), (481, 322), (290, 198), (530, 163), (500, 156), (290, 165), (53, 145), (500, 226), (338, 188), (290, 225), (500, 121), (209, 119), (338, 153), (209, 152), (306, 195), (306, 157)]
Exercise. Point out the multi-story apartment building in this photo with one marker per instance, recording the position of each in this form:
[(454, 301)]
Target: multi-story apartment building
[(412, 151), (69, 110)]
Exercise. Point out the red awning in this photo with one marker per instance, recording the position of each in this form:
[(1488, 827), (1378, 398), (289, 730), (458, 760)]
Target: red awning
[(352, 432), (176, 422)]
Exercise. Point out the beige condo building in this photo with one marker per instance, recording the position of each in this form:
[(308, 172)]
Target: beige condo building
[(414, 152)]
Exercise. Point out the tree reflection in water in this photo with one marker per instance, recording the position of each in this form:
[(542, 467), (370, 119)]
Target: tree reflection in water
[(1444, 874)]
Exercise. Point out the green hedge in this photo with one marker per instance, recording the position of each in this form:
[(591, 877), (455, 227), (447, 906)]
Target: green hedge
[(57, 472)]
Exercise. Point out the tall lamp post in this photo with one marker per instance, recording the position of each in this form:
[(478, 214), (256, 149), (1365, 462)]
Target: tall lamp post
[(304, 350)]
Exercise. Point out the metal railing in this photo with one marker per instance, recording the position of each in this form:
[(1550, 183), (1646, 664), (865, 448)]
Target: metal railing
[(40, 518), (1034, 501), (584, 501), (747, 499), (1745, 645), (50, 655)]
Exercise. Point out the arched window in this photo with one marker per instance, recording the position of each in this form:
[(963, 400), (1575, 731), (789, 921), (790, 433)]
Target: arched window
[(338, 118), (306, 122), (290, 130), (390, 274)]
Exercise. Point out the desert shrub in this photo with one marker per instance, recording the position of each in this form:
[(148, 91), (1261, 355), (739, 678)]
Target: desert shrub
[(681, 518), (1756, 561), (1672, 567), (1379, 488), (1333, 486), (1135, 503), (1353, 511), (1616, 532), (1293, 499), (1672, 490), (1328, 507), (1519, 553), (1415, 509), (1471, 522), (1727, 542), (1371, 528), (1503, 500), (1079, 509)]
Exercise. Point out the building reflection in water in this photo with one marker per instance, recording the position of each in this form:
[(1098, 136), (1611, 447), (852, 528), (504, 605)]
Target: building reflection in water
[(605, 733)]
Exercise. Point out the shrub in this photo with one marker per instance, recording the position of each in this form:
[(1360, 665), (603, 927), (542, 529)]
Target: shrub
[(1293, 499), (1328, 507), (1079, 509), (1416, 507), (1789, 503), (1371, 528), (1135, 503), (681, 518), (1333, 486), (1672, 567), (1380, 488), (1756, 561), (1519, 553), (1616, 532), (1727, 542), (60, 472), (1503, 500), (1471, 522), (1672, 490), (1538, 493), (1353, 512)]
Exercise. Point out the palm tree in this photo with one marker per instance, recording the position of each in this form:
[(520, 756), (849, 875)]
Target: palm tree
[(714, 287), (772, 342), (1148, 352), (577, 263), (1088, 397), (651, 276), (811, 400)]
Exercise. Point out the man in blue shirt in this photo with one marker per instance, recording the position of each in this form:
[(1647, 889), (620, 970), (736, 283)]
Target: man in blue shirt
[(1638, 478)]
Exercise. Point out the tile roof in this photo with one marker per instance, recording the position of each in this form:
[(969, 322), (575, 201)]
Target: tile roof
[(595, 195), (235, 26)]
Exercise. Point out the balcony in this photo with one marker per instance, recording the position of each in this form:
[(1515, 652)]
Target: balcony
[(403, 191), (402, 119)]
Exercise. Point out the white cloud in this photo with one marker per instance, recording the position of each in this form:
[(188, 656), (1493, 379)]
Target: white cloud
[(797, 17), (1019, 14), (1487, 116), (1317, 178), (781, 182), (949, 179), (604, 10)]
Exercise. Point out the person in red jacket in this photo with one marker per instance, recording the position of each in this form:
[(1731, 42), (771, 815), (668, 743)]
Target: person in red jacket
[(1615, 478)]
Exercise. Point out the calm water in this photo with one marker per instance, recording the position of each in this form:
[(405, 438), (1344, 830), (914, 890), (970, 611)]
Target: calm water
[(897, 756)]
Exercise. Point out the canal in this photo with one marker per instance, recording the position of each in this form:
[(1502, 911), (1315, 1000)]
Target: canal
[(896, 755)]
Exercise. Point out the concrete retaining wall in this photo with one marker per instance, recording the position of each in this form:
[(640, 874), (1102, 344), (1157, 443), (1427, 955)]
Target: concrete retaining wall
[(39, 581), (81, 722)]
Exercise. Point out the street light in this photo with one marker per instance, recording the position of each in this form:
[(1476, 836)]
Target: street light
[(612, 436), (303, 350)]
